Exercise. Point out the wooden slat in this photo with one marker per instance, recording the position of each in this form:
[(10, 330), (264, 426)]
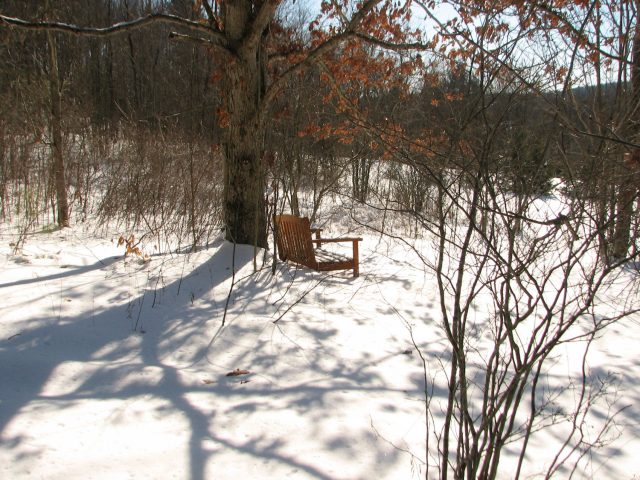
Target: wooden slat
[(293, 237)]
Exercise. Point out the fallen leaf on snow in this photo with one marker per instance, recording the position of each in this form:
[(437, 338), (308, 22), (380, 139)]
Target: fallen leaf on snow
[(237, 372)]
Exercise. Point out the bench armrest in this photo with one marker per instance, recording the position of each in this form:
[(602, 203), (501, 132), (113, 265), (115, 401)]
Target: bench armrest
[(336, 240), (354, 241)]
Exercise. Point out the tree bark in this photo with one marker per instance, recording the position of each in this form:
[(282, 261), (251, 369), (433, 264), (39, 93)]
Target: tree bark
[(243, 139), (244, 177), (627, 187), (56, 134)]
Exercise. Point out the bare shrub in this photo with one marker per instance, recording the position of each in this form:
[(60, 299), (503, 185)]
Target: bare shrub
[(165, 185)]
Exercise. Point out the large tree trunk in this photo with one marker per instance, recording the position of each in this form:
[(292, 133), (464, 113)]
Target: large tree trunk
[(245, 207), (244, 181), (56, 134)]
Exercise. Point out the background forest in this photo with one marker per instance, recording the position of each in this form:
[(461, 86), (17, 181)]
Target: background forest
[(140, 118), (497, 141)]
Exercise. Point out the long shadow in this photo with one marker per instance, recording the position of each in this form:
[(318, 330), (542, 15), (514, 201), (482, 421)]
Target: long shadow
[(69, 271), (27, 361)]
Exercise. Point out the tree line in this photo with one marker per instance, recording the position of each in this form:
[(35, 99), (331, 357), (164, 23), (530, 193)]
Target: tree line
[(169, 65)]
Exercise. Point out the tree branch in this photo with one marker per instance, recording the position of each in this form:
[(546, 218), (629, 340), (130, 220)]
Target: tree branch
[(579, 33), (261, 22), (202, 41), (210, 14), (391, 45), (117, 28), (315, 54)]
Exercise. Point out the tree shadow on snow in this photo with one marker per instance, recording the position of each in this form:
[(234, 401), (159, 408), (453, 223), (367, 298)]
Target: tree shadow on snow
[(182, 339)]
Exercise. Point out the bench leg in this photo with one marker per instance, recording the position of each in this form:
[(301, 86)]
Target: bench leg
[(356, 260)]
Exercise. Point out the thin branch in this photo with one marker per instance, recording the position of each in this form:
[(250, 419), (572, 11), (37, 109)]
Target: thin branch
[(306, 292), (309, 60), (210, 14), (579, 33)]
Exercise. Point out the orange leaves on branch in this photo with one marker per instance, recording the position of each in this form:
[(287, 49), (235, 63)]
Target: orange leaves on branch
[(359, 70), (406, 68), (344, 132), (562, 73), (492, 32), (325, 7), (582, 3), (427, 144), (390, 22), (452, 97), (309, 131), (557, 73), (593, 56), (355, 73)]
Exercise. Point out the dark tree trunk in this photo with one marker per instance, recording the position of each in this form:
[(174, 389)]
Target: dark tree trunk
[(243, 139), (245, 216), (627, 187), (56, 134), (624, 205)]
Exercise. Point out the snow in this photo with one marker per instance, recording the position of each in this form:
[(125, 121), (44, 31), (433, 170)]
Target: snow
[(114, 367)]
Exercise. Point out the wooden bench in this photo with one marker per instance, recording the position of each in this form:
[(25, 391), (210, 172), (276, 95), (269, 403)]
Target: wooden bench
[(295, 244)]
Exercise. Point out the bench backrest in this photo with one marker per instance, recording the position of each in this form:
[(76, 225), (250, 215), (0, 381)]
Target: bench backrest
[(293, 236)]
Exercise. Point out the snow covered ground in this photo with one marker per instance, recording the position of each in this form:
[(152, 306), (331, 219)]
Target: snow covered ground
[(116, 368)]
